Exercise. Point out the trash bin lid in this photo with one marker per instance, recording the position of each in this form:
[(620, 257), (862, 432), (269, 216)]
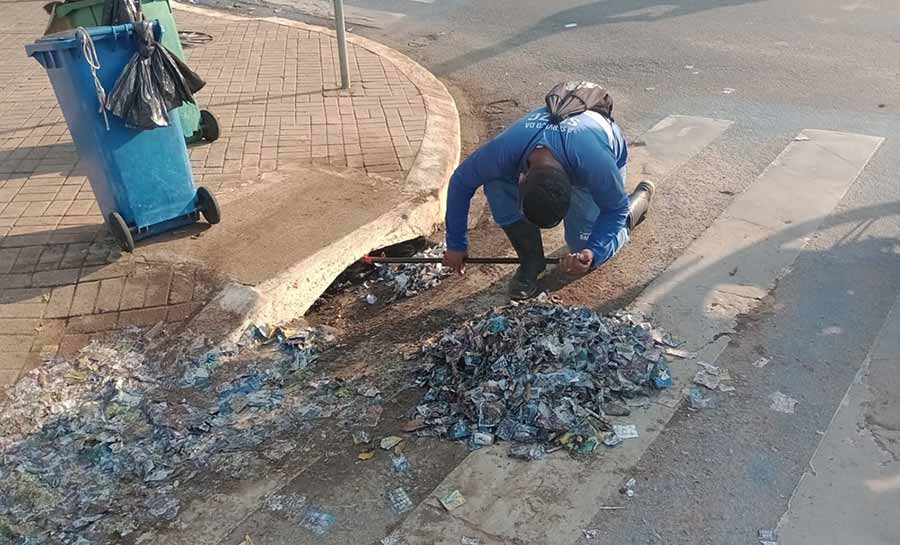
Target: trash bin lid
[(66, 8), (68, 39)]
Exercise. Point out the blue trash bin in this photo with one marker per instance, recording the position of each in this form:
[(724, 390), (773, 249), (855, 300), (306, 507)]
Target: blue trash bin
[(141, 178)]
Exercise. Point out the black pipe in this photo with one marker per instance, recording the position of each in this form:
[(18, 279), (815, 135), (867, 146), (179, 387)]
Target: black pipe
[(483, 260)]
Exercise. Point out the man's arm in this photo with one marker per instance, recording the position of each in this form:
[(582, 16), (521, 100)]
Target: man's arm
[(599, 171), (498, 158)]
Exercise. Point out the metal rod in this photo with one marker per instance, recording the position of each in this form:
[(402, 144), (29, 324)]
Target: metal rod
[(484, 260), (342, 43)]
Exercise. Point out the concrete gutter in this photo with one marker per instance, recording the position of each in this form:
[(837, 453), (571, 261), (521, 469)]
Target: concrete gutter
[(290, 294)]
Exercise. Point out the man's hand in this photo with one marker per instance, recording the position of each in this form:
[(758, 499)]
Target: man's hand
[(456, 261), (578, 263)]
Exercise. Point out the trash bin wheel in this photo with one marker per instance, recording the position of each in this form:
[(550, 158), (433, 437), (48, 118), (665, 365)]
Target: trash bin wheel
[(208, 206), (121, 232), (209, 126)]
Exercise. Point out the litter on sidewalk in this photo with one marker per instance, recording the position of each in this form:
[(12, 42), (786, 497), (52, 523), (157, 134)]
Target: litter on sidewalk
[(118, 438), (527, 452), (626, 431), (709, 368), (707, 380), (761, 362), (399, 500), (480, 439), (683, 354), (407, 280), (612, 440), (540, 373), (452, 500), (782, 403), (390, 442), (371, 280), (697, 401), (768, 536), (300, 511), (316, 521), (400, 464), (628, 488)]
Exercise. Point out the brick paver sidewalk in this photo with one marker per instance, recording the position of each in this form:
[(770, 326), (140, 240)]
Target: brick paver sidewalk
[(273, 89)]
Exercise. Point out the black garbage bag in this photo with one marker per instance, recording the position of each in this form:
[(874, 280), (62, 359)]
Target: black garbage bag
[(122, 12), (153, 83)]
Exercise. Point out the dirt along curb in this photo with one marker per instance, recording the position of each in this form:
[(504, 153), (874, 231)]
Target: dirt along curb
[(291, 293)]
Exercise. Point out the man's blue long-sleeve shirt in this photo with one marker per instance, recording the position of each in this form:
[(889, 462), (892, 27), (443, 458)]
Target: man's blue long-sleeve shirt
[(592, 150)]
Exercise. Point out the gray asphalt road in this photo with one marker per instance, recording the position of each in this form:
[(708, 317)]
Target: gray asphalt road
[(773, 67), (831, 60)]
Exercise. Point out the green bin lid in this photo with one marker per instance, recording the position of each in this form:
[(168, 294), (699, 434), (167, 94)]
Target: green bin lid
[(63, 10)]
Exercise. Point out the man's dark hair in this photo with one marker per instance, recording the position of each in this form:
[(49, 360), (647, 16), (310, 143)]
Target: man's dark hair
[(546, 194)]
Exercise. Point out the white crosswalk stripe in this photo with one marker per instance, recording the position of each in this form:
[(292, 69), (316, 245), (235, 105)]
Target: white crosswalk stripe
[(796, 191)]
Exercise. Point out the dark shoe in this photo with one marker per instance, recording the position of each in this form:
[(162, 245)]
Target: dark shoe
[(639, 203), (523, 286), (526, 240)]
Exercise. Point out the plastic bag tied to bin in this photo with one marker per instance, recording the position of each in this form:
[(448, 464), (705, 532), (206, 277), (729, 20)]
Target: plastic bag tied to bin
[(153, 83), (122, 12)]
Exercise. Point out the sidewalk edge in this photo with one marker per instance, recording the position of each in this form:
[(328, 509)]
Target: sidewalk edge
[(290, 294)]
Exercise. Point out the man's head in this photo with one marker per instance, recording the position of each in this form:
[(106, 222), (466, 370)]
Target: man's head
[(546, 193)]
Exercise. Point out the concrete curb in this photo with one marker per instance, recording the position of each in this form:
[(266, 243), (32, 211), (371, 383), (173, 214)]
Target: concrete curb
[(290, 294)]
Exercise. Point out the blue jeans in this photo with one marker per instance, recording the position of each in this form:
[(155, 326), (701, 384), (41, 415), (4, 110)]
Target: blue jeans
[(503, 199)]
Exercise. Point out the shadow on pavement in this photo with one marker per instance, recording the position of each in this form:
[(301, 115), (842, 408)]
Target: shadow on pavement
[(270, 98), (34, 161), (43, 235), (29, 127), (596, 13), (68, 251)]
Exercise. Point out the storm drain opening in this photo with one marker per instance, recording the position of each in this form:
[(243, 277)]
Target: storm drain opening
[(373, 283)]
